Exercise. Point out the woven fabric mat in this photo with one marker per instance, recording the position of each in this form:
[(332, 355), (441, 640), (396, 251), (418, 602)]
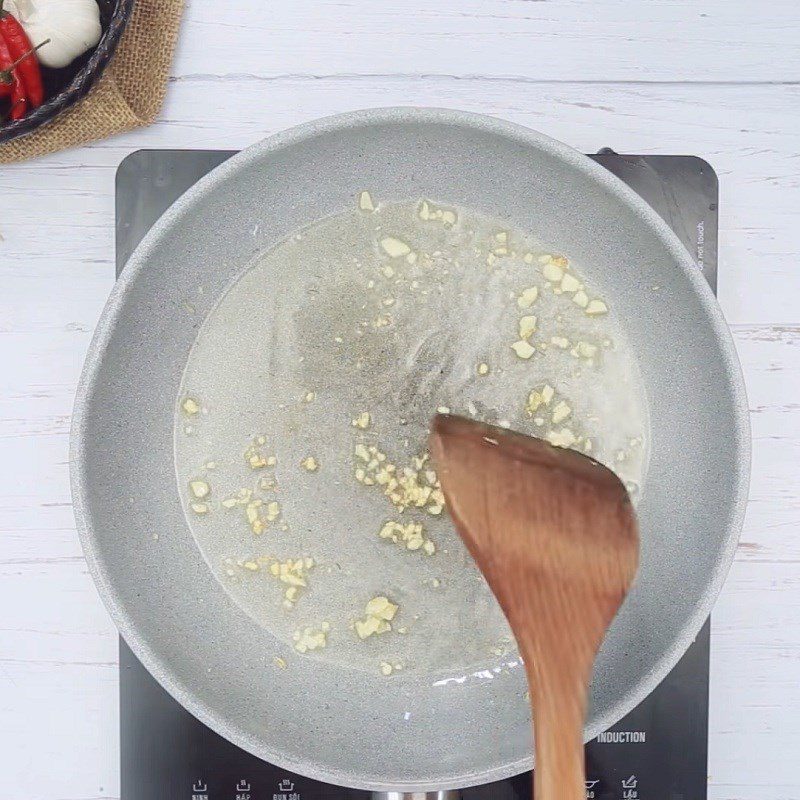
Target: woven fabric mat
[(128, 95)]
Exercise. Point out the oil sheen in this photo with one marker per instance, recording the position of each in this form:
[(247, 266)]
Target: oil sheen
[(386, 313)]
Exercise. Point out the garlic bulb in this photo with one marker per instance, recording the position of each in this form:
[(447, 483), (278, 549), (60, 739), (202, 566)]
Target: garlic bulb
[(72, 26)]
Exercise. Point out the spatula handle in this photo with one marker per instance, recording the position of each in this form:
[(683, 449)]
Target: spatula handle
[(560, 770)]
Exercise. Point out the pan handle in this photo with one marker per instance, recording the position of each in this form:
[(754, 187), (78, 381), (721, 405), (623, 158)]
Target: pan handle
[(443, 794)]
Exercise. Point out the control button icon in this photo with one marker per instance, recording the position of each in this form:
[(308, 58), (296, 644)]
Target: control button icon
[(286, 785), (629, 788)]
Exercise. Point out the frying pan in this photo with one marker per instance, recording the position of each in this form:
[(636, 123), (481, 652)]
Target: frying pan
[(353, 728)]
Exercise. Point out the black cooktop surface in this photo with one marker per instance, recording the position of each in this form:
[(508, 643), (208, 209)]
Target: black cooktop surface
[(658, 752)]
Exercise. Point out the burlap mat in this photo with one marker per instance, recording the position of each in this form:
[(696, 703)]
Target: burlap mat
[(129, 94)]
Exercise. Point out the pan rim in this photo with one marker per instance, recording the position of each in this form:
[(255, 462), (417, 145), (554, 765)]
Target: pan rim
[(740, 435)]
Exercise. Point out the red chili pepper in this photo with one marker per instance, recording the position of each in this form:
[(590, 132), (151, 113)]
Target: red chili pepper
[(19, 99), (19, 46)]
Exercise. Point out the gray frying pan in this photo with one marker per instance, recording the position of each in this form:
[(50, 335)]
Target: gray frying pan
[(420, 730)]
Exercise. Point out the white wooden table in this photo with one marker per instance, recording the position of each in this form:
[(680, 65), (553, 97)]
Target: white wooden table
[(719, 79)]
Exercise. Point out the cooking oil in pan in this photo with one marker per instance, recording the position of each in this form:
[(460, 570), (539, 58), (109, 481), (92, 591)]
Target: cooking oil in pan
[(300, 432)]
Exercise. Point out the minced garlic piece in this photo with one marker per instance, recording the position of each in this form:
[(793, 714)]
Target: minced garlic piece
[(379, 613), (386, 668), (483, 369), (523, 349), (310, 464), (362, 421), (200, 508), (309, 639), (280, 663), (443, 409), (580, 299), (562, 438), (365, 202), (596, 308), (584, 350), (560, 412), (199, 489), (273, 511), (309, 397), (190, 406), (528, 297), (253, 516), (552, 272), (570, 284), (538, 398), (527, 326), (560, 341), (394, 248)]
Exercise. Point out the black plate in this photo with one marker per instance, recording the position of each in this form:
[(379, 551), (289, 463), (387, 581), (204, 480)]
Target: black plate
[(64, 87)]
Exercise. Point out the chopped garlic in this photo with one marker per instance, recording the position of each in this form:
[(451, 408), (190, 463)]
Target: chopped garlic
[(310, 397), (560, 412), (523, 349), (559, 341), (580, 299), (527, 326), (190, 406), (309, 639), (584, 350), (411, 535), (381, 607), (379, 611), (255, 458), (199, 489), (200, 508), (552, 272), (362, 421), (538, 398), (310, 464), (386, 668), (443, 409), (404, 487), (394, 248), (562, 438), (596, 308), (280, 663), (570, 284), (528, 297), (365, 202), (483, 369)]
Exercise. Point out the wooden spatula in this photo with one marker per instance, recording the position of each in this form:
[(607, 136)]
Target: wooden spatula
[(555, 535)]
